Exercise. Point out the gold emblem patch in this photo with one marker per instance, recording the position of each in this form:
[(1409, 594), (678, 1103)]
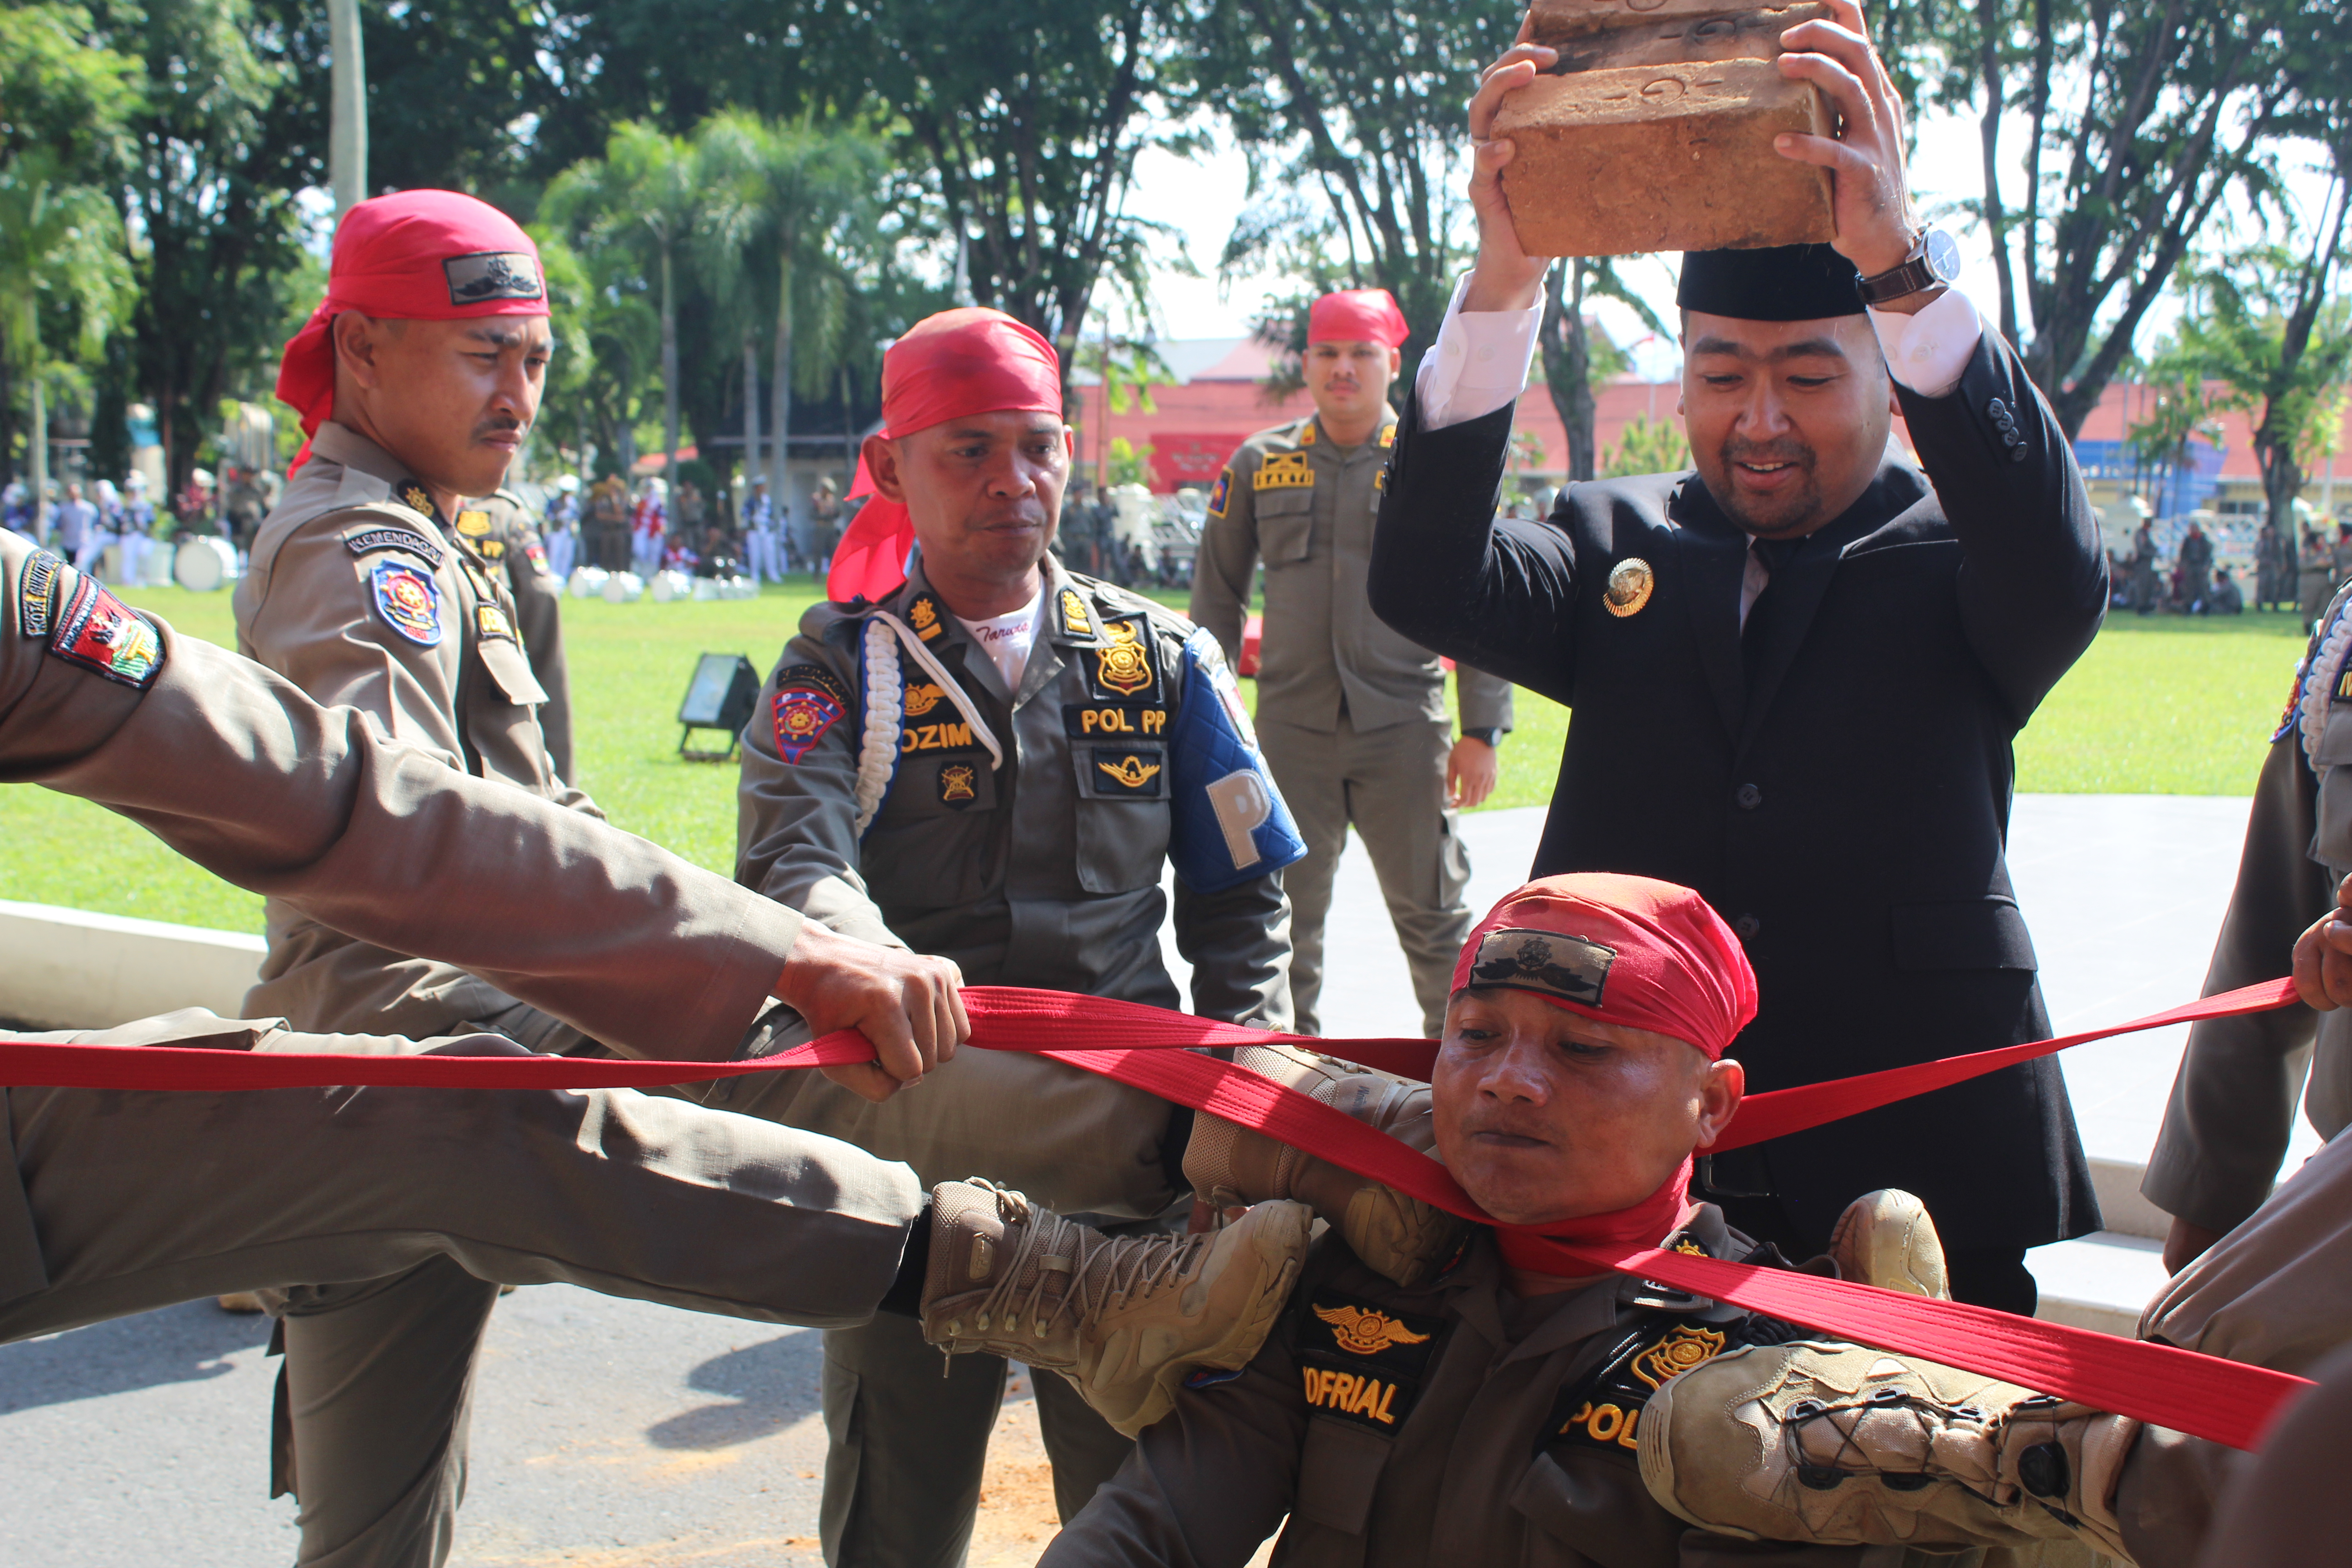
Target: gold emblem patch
[(1679, 1352), (1629, 581), (1388, 435), (924, 616), (1365, 1332), (1123, 667), (1283, 471), (922, 698), (1569, 967), (959, 784), (418, 497), (1074, 615), (1131, 771), (491, 622), (473, 524)]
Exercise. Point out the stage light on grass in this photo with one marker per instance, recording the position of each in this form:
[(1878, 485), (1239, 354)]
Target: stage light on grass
[(724, 690)]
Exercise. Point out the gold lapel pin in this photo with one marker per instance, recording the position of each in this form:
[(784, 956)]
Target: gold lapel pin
[(1629, 581)]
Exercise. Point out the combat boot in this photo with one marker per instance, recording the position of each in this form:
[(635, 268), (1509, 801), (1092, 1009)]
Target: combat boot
[(1847, 1445), (1125, 1319), (1401, 1238), (1885, 1238)]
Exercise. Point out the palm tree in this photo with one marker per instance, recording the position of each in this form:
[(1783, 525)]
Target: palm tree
[(61, 247), (795, 201), (641, 196)]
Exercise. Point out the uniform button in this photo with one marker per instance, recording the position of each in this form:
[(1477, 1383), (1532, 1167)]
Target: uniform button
[(1748, 926), (1997, 411), (1748, 797), (2017, 453)]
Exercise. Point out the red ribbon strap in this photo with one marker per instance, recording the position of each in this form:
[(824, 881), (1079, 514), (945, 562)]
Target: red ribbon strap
[(2226, 1402)]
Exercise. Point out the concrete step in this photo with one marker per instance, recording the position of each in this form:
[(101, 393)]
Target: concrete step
[(2103, 1282)]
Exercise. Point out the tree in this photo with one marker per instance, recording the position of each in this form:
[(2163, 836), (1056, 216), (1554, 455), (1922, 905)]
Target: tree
[(792, 205), (639, 199), (1573, 363), (2183, 410), (2139, 120), (61, 256), (1363, 107), (1648, 446), (2276, 333)]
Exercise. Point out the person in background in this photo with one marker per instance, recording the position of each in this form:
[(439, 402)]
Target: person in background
[(687, 514), (2144, 588), (17, 508), (77, 529), (649, 526), (2193, 570), (2314, 584), (1353, 715), (824, 512), (108, 501), (760, 543), (561, 538), (607, 527), (2268, 575), (138, 527), (2225, 599)]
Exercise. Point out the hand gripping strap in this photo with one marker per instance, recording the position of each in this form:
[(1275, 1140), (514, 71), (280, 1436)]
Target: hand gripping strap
[(2205, 1396)]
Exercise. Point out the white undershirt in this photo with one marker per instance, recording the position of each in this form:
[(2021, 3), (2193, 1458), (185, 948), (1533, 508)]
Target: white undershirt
[(1481, 359), (1007, 638)]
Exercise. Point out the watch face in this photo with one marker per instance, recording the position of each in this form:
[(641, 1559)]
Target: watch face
[(1942, 254)]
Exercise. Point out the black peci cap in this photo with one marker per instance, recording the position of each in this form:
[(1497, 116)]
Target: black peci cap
[(1779, 283)]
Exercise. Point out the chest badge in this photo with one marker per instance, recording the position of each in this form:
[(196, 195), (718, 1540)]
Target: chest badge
[(1629, 581), (408, 601), (474, 524), (1362, 1332), (921, 698), (959, 786), (1122, 666), (1283, 471), (1679, 1352), (1131, 772)]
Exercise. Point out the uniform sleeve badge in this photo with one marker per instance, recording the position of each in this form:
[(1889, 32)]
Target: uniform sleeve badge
[(408, 600), (100, 632), (36, 593), (1219, 492), (809, 701)]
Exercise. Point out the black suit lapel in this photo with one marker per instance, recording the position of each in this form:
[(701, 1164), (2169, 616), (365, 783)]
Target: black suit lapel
[(1712, 555)]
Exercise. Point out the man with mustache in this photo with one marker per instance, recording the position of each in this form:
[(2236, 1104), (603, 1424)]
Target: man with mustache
[(1353, 715), (1798, 671), (983, 756)]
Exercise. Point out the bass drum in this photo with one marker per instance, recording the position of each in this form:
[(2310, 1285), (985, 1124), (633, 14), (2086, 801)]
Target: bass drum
[(202, 564)]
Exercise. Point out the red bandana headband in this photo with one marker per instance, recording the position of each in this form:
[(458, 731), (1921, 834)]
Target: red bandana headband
[(1621, 950), (948, 366), (1357, 316), (418, 256)]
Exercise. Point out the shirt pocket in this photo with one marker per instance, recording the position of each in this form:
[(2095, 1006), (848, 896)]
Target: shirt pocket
[(1286, 525), (1339, 1470), (933, 842), (1122, 814)]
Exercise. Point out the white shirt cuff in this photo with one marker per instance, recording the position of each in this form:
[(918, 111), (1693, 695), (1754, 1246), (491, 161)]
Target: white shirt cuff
[(1928, 351), (1479, 364)]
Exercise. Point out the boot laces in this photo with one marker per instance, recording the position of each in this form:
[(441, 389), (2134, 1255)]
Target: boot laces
[(1099, 1270)]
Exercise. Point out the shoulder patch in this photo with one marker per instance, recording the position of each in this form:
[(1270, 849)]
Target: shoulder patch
[(1074, 622), (36, 593), (367, 540), (101, 634), (923, 614), (809, 701), (1220, 492), (1361, 1363), (408, 600), (1283, 471), (1125, 668)]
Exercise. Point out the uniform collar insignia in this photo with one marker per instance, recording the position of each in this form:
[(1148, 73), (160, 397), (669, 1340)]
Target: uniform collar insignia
[(1077, 620), (1388, 434), (416, 498), (1307, 433), (923, 614)]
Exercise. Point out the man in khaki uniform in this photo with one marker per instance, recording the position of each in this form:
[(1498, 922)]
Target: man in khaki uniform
[(1352, 715), (2234, 1099), (995, 759)]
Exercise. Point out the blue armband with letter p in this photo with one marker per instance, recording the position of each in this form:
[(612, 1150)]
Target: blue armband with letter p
[(1230, 824)]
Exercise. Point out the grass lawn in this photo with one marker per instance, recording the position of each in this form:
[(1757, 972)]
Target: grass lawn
[(2162, 706)]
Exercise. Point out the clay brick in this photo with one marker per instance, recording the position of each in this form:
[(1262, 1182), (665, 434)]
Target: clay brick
[(1658, 135)]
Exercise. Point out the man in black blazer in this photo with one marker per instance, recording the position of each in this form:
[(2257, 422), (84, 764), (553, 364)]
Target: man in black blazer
[(1797, 673)]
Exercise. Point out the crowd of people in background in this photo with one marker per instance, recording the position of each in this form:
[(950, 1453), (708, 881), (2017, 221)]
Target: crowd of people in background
[(2288, 575)]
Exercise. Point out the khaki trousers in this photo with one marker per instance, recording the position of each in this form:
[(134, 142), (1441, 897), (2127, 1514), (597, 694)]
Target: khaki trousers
[(906, 1445), (1391, 783), (373, 1397)]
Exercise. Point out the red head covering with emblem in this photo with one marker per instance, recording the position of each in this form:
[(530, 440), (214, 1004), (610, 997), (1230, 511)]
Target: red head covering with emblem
[(1622, 950), (1357, 316), (418, 256), (948, 366)]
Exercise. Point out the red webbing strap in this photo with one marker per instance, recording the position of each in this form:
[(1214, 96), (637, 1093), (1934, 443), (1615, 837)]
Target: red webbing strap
[(2223, 1401)]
